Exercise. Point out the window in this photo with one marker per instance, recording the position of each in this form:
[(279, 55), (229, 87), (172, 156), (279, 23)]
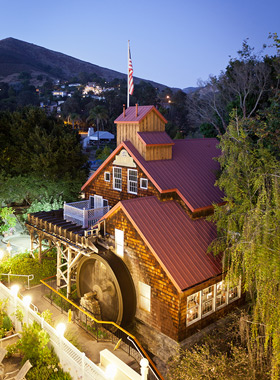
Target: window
[(221, 294), (233, 293), (207, 300), (117, 179), (143, 183), (107, 176), (119, 242), (132, 181), (193, 310), (144, 296)]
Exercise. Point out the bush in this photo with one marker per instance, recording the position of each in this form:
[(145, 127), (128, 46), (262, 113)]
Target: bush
[(24, 263)]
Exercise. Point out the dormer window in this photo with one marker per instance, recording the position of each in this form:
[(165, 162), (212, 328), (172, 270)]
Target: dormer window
[(132, 181), (143, 183)]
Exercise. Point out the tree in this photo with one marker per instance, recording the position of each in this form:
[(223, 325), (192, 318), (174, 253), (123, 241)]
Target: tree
[(246, 85), (249, 229), (98, 113)]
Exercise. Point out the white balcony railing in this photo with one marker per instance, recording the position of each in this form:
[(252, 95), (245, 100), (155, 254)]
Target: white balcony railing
[(81, 213)]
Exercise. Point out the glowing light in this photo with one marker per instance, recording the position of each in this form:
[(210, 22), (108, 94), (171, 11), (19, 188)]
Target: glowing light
[(26, 301), (111, 371), (14, 290), (9, 247), (1, 254), (60, 329)]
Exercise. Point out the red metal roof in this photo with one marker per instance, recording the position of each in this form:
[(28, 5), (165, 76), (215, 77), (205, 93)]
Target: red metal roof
[(155, 138), (130, 114), (178, 242), (191, 172)]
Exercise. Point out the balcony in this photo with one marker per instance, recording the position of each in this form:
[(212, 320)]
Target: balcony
[(86, 213)]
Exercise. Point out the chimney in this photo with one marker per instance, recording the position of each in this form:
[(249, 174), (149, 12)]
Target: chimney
[(123, 110), (136, 109)]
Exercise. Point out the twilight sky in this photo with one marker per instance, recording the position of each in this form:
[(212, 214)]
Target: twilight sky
[(173, 42)]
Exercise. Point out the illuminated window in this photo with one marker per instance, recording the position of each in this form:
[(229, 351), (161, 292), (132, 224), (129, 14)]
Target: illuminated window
[(119, 242), (207, 300), (132, 181), (144, 296), (234, 293), (107, 176), (117, 179), (221, 294), (193, 309), (143, 183)]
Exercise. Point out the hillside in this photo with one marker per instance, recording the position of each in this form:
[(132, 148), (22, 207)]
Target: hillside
[(17, 56)]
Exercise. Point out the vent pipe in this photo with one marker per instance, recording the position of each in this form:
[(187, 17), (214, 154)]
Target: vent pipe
[(124, 110), (136, 109)]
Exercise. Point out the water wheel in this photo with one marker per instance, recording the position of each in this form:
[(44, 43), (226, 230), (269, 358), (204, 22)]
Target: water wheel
[(108, 276)]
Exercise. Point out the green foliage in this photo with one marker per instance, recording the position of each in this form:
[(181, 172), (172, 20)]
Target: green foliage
[(249, 228), (33, 143), (103, 153), (7, 323), (24, 263), (223, 354), (7, 219), (33, 346)]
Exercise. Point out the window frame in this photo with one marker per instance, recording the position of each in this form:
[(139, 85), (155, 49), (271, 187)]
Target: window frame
[(119, 243), (141, 185), (142, 286), (109, 174), (129, 182), (115, 168)]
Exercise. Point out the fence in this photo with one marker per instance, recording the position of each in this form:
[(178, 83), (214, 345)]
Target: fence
[(71, 359), (81, 213), (101, 331), (29, 277)]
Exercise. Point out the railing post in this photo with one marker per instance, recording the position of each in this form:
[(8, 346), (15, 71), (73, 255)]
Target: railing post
[(85, 218), (83, 365), (144, 363)]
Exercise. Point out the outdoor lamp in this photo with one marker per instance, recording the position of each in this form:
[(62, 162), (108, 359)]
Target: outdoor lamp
[(14, 290), (111, 371), (9, 247), (60, 329)]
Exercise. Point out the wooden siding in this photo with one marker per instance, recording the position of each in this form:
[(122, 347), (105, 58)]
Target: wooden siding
[(165, 300), (151, 123), (158, 153), (100, 187)]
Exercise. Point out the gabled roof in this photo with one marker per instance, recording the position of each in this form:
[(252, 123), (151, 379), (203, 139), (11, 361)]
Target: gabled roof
[(143, 111), (191, 172), (178, 242), (155, 138)]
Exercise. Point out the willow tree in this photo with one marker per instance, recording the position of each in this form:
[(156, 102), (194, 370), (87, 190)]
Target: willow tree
[(249, 229)]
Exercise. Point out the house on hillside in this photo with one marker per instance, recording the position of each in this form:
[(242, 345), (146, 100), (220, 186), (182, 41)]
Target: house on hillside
[(143, 235)]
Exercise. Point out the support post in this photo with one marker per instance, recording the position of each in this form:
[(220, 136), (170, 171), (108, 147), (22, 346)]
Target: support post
[(58, 264)]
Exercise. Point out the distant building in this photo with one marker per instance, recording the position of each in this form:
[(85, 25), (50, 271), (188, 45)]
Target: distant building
[(59, 93)]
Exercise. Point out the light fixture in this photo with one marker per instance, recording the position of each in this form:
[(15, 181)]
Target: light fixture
[(14, 290), (9, 247), (1, 254), (60, 329)]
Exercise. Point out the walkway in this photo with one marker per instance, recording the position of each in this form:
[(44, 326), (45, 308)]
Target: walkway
[(84, 340)]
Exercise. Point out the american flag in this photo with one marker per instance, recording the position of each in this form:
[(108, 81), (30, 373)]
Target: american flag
[(130, 77)]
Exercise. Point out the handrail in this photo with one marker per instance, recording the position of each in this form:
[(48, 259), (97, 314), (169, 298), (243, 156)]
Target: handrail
[(107, 322), (30, 277)]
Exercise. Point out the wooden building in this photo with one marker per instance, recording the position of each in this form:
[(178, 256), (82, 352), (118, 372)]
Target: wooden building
[(140, 238)]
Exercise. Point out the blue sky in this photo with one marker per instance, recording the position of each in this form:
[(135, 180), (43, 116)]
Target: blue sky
[(173, 42)]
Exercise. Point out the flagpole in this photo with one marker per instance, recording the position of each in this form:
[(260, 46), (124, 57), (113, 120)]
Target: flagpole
[(128, 76)]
